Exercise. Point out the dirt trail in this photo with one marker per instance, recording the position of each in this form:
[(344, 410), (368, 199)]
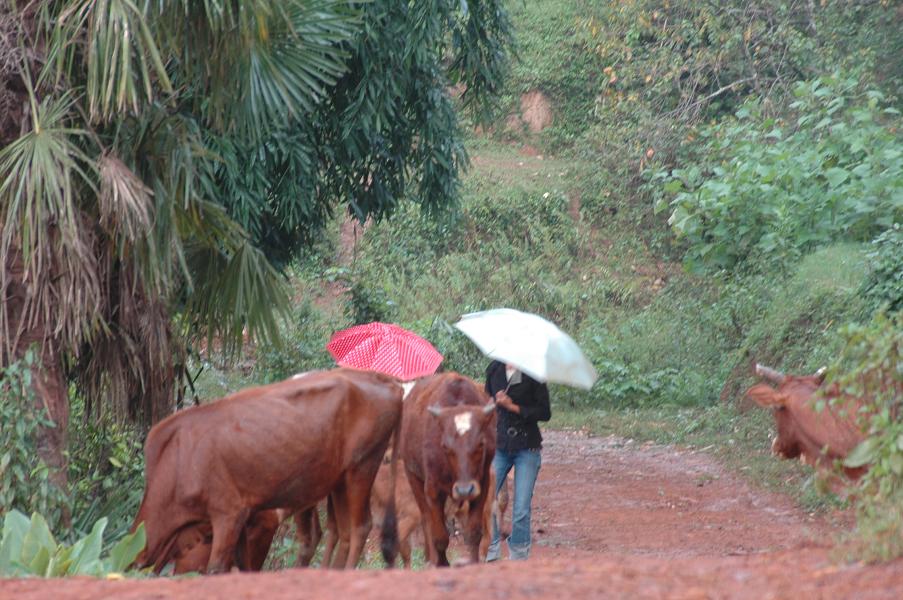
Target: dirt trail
[(613, 519)]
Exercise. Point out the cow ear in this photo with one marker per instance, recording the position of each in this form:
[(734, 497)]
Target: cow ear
[(765, 395)]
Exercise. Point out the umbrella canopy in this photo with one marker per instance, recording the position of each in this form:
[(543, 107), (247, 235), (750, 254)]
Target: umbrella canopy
[(532, 344), (386, 348)]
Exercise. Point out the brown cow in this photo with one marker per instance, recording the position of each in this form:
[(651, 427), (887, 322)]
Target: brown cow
[(817, 437), (285, 445), (447, 444)]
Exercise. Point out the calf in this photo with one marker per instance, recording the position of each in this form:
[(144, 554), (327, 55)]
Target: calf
[(191, 551), (447, 445), (817, 437)]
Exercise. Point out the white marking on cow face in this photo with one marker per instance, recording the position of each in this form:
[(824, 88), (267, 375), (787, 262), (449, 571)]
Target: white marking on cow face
[(407, 386), (463, 422)]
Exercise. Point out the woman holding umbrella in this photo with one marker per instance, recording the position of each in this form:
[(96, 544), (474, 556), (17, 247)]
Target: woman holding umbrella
[(521, 403), (528, 352)]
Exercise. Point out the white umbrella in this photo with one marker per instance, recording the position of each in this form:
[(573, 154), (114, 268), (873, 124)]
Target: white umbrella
[(531, 343)]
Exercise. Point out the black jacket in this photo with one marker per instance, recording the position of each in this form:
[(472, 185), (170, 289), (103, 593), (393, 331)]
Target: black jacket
[(518, 431)]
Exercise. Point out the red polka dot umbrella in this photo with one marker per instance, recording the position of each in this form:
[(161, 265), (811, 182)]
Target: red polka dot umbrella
[(386, 348)]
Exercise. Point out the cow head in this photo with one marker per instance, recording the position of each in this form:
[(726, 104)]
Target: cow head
[(790, 389), (467, 435)]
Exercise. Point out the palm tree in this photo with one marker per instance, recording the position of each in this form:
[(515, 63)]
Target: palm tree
[(159, 157)]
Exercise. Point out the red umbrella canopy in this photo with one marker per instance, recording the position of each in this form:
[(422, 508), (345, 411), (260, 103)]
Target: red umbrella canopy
[(386, 348)]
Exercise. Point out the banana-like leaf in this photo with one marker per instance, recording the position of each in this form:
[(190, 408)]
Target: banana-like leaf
[(86, 551), (15, 528), (124, 553), (40, 562), (37, 539)]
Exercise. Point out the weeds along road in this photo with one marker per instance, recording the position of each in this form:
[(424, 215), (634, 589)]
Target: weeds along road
[(613, 519)]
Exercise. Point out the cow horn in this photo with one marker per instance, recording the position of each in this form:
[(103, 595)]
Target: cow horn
[(820, 374), (771, 375), (489, 408), (434, 410)]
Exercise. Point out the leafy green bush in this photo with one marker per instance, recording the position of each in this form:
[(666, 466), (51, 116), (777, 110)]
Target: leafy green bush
[(781, 187), (106, 473), (24, 477), (872, 370), (885, 283), (28, 548)]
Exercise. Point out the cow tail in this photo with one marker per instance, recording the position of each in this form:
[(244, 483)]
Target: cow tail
[(389, 543)]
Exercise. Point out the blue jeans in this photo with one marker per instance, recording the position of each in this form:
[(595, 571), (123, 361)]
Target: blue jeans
[(526, 465)]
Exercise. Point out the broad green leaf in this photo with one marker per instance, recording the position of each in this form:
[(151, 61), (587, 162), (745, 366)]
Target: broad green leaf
[(37, 538), (836, 176), (60, 563), (86, 551), (862, 454), (39, 563), (895, 461), (15, 528), (126, 550)]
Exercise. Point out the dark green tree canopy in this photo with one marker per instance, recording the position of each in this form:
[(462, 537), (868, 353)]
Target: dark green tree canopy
[(386, 131)]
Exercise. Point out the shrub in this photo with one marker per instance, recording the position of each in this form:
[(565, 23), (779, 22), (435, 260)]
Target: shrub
[(782, 187), (24, 477), (106, 473), (872, 370), (884, 285), (28, 548)]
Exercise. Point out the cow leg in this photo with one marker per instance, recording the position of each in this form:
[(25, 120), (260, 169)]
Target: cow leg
[(332, 533), (406, 527), (417, 487), (307, 535), (339, 498), (473, 528), (359, 484), (227, 529), (434, 516)]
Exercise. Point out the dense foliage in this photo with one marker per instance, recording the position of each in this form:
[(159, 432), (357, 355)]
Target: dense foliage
[(24, 477), (872, 369), (830, 170)]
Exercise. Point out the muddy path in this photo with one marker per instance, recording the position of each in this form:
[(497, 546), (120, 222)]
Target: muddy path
[(612, 519)]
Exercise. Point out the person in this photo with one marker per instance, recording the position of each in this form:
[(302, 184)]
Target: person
[(521, 403)]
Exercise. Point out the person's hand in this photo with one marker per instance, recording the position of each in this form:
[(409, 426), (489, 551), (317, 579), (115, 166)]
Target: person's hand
[(505, 401)]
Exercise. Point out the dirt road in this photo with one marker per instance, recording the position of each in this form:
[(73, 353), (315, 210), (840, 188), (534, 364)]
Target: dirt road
[(613, 519)]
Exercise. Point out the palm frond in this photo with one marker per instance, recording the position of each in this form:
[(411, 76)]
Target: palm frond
[(125, 202), (233, 286), (41, 175), (266, 61), (123, 63)]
